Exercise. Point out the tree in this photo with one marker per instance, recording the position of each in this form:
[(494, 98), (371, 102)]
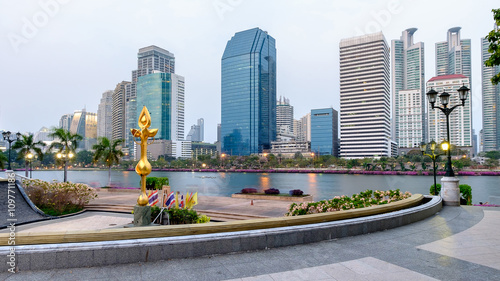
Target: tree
[(3, 159), (26, 145), (109, 152), (494, 38), (84, 157), (66, 143), (493, 154)]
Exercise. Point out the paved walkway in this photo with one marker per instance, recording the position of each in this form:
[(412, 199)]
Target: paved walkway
[(458, 243)]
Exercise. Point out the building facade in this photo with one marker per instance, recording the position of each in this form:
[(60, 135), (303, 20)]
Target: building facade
[(248, 93), (85, 124), (324, 131), (408, 91), (284, 119), (460, 118), (118, 116), (365, 126), (105, 116), (65, 121), (197, 131), (163, 95), (491, 102), (149, 60)]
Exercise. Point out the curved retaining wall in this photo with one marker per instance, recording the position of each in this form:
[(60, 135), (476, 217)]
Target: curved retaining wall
[(85, 254)]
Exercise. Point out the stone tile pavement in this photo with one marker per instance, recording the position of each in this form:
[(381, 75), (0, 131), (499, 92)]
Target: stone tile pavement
[(419, 251)]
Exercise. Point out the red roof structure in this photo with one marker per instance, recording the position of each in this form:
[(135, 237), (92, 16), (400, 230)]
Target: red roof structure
[(444, 77)]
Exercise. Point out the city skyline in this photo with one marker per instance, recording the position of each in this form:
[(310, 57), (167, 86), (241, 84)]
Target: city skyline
[(62, 52)]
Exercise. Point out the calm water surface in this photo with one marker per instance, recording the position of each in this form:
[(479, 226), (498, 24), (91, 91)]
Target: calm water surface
[(321, 186)]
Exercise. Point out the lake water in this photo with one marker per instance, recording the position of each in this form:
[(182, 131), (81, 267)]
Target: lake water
[(321, 186)]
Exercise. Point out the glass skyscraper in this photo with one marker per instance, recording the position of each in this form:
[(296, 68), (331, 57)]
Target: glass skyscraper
[(491, 101), (163, 95), (324, 131), (248, 93)]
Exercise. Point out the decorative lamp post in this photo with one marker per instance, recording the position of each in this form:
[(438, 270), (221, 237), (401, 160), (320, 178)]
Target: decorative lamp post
[(65, 157), (222, 158), (433, 156), (29, 157), (450, 191), (6, 137)]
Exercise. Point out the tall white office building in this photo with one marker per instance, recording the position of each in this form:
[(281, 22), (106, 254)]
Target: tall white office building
[(491, 101), (460, 118), (365, 128), (284, 117), (105, 116), (408, 91)]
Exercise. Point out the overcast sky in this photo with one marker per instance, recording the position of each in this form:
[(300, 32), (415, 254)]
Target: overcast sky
[(61, 57)]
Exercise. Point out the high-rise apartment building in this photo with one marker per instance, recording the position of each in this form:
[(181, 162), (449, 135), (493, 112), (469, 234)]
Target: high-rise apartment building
[(105, 115), (196, 134), (248, 93), (163, 95), (365, 128), (302, 128), (453, 56), (118, 119), (284, 118), (408, 91), (324, 131), (491, 101), (460, 118), (149, 60)]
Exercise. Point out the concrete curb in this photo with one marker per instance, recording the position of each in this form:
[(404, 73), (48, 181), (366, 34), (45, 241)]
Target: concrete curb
[(70, 255)]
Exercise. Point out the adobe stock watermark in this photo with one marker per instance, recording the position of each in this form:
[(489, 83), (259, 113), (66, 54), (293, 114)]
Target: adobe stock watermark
[(223, 6), (11, 212), (31, 25), (381, 18)]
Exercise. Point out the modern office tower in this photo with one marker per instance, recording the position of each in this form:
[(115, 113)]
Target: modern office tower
[(65, 121), (197, 131), (118, 119), (324, 131), (248, 93), (284, 118), (460, 118), (163, 95), (43, 135), (302, 128), (105, 115), (491, 101), (149, 60), (408, 91), (85, 124), (365, 128), (218, 142)]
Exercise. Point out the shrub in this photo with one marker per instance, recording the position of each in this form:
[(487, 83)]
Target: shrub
[(249, 190), (466, 193), (338, 203), (272, 191), (203, 219), (435, 191), (296, 192), (155, 182), (57, 198)]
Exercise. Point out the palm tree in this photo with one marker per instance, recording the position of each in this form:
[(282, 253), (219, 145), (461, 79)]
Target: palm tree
[(109, 152), (26, 145), (65, 143), (3, 159)]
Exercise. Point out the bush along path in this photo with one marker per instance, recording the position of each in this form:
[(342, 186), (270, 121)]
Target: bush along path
[(339, 203)]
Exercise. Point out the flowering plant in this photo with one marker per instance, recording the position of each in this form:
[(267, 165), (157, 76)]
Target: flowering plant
[(339, 203)]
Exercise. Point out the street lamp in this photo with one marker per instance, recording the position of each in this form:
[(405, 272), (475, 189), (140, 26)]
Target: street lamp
[(65, 157), (445, 100), (29, 157), (222, 156), (433, 156), (6, 137)]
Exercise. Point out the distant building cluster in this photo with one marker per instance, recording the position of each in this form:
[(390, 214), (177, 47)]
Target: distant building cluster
[(382, 112)]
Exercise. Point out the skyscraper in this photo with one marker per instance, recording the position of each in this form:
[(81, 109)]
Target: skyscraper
[(118, 118), (324, 131), (365, 127), (149, 60), (196, 133), (248, 93), (105, 115), (453, 56), (65, 121), (284, 118), (163, 95), (408, 91), (460, 118), (491, 101), (85, 124)]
